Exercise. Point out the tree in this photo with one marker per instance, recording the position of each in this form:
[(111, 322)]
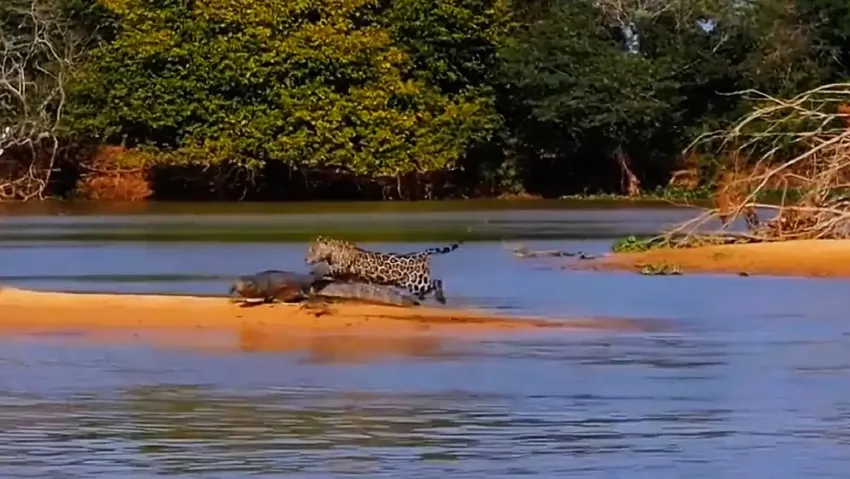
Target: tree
[(638, 80), (39, 46), (313, 85), (828, 22), (586, 97)]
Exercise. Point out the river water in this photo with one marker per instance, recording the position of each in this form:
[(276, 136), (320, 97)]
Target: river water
[(749, 377)]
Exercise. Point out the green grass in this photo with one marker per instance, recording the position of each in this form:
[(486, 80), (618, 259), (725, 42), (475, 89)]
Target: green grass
[(701, 196), (634, 244), (662, 195)]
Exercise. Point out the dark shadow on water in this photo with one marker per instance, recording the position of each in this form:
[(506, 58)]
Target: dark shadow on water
[(87, 208), (410, 226)]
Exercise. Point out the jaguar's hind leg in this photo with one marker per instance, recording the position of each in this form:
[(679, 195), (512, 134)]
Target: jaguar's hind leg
[(418, 293), (437, 288)]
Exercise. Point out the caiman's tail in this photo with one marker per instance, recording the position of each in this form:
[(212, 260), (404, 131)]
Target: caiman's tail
[(368, 293), (443, 250)]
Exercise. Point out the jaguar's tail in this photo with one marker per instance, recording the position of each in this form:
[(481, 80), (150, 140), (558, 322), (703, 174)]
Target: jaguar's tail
[(443, 250)]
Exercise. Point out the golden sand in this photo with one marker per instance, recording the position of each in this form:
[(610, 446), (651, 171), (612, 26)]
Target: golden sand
[(347, 330), (812, 258)]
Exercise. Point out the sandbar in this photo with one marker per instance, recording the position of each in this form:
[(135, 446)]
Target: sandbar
[(803, 258), (42, 310)]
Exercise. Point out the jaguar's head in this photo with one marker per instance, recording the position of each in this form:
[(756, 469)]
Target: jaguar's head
[(327, 250)]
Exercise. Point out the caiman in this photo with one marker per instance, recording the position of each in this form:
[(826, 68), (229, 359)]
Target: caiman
[(314, 289)]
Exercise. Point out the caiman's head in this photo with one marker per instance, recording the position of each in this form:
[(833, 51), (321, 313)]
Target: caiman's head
[(329, 250), (320, 270), (244, 287)]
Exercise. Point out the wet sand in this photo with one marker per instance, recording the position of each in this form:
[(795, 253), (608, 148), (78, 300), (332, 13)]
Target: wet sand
[(36, 310), (807, 258)]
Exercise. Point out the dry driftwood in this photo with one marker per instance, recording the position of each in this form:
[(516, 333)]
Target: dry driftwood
[(797, 147)]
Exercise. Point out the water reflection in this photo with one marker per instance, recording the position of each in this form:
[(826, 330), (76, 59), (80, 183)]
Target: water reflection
[(347, 348), (640, 404), (321, 348), (197, 430)]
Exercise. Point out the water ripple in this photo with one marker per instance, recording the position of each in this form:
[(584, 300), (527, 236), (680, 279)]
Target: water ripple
[(753, 381)]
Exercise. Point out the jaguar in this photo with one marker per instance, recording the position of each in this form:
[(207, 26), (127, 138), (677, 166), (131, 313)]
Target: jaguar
[(409, 271)]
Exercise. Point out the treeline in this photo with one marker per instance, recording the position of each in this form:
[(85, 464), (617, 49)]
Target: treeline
[(293, 99)]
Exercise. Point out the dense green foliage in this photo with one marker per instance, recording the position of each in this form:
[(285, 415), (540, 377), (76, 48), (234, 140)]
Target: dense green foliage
[(309, 84), (541, 96)]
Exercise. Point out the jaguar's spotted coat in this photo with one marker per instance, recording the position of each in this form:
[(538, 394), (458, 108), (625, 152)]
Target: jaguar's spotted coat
[(410, 271)]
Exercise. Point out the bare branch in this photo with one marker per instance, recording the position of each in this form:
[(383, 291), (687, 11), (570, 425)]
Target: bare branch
[(800, 145), (38, 49), (626, 12)]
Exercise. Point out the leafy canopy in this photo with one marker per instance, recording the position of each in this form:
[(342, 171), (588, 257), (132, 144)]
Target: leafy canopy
[(320, 84)]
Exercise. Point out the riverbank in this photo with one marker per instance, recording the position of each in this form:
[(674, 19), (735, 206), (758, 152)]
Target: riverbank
[(807, 258), (25, 310)]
